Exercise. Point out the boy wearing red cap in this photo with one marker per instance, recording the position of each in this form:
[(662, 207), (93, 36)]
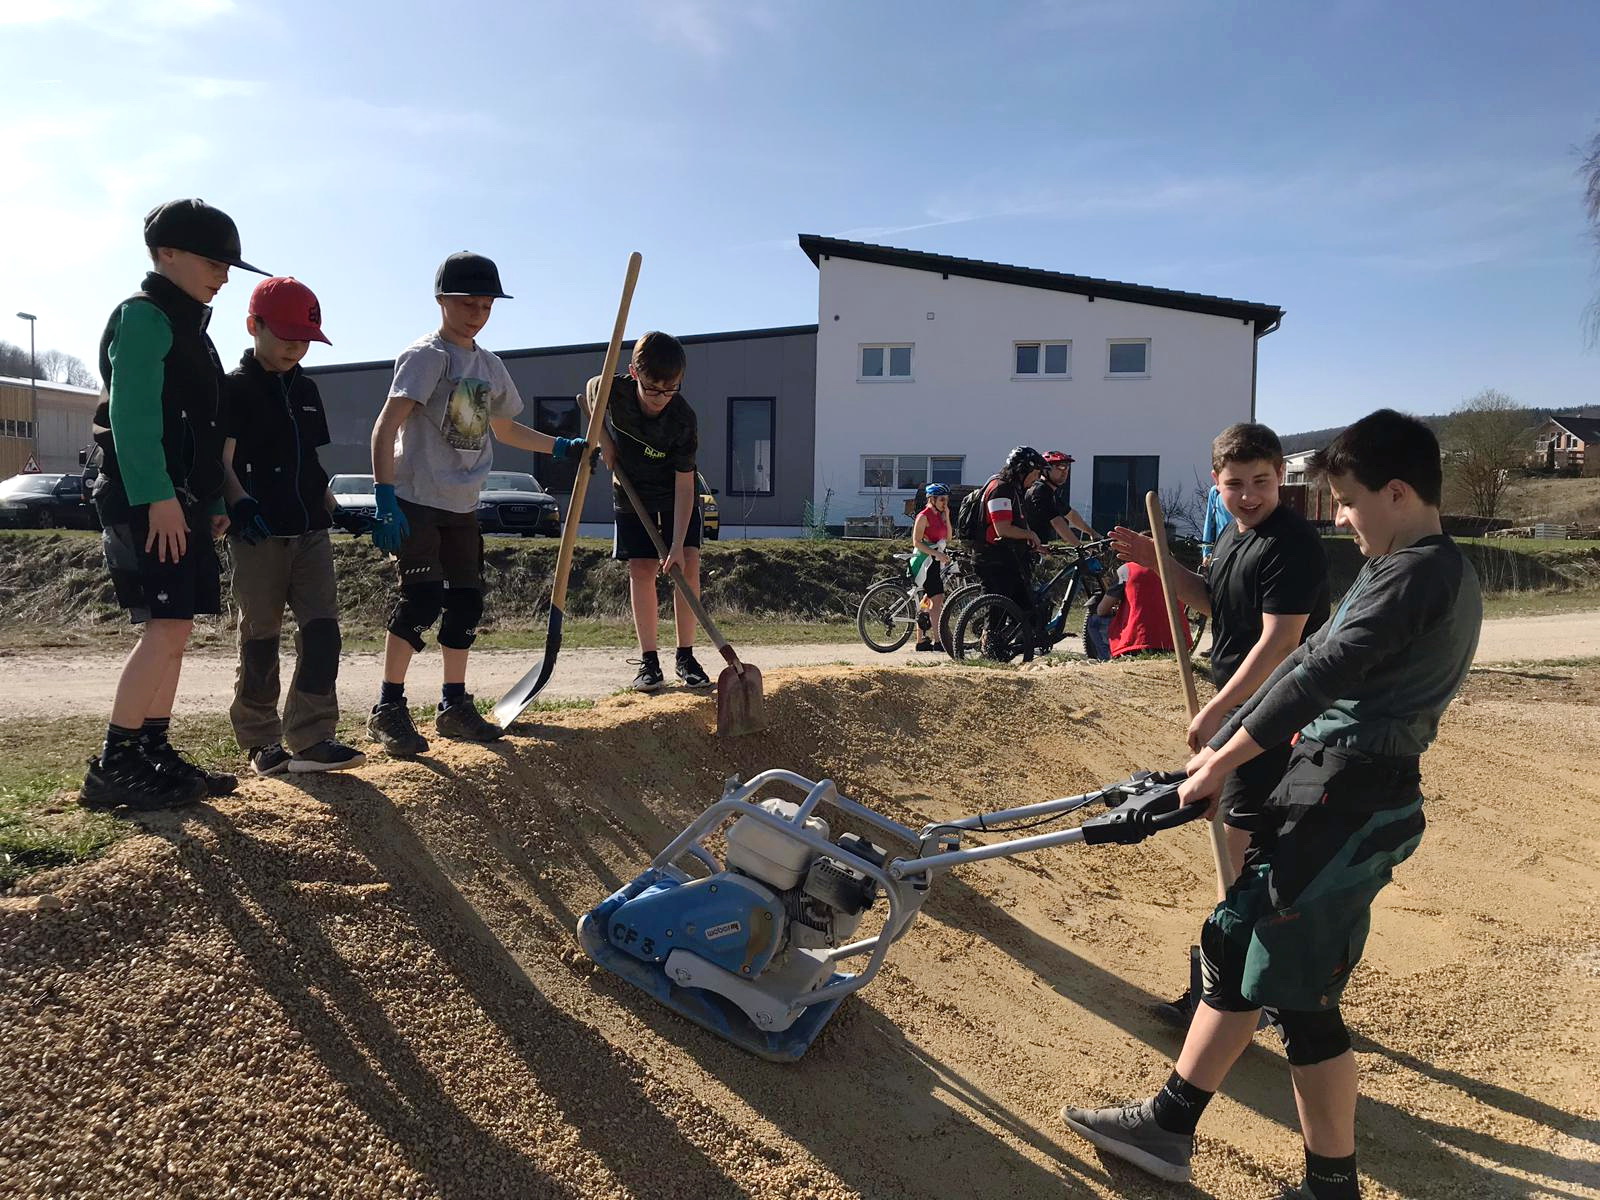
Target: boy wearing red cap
[(159, 496), (279, 507)]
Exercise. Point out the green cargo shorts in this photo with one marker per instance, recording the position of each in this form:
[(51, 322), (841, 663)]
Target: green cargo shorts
[(1294, 925)]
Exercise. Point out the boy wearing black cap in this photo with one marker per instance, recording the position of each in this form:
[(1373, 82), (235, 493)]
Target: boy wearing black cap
[(449, 394), (278, 505), (159, 496)]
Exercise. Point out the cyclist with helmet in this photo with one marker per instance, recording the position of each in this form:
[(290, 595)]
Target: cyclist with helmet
[(1050, 512), (929, 533), (1004, 563)]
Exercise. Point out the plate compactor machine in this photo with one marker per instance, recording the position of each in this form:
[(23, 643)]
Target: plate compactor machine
[(751, 948)]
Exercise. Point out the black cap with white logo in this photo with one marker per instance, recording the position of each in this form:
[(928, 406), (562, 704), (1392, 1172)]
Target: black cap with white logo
[(467, 274), (195, 226)]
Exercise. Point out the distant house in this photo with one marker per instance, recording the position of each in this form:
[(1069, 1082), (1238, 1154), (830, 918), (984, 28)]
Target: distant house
[(1568, 443)]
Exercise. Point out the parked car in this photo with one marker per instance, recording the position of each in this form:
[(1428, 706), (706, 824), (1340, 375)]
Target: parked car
[(45, 501), (354, 505), (710, 514), (514, 502)]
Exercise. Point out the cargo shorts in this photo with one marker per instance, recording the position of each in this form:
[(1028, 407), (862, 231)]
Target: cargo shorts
[(163, 591)]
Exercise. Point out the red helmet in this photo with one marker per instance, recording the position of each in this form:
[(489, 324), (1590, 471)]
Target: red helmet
[(1055, 458)]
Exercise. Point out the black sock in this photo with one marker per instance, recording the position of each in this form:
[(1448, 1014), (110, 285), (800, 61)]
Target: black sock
[(392, 693), (120, 743), (153, 734), (649, 656), (1332, 1178), (685, 652), (1178, 1105), (453, 692)]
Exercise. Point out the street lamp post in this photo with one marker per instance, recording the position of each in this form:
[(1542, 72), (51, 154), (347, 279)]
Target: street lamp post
[(33, 386)]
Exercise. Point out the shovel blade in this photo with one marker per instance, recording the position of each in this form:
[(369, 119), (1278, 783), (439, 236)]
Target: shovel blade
[(741, 706)]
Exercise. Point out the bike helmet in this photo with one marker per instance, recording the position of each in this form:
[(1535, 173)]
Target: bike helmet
[(936, 489), (1021, 461), (1056, 458)]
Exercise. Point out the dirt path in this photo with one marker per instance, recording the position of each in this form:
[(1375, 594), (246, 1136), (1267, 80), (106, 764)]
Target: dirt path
[(53, 683), (366, 986)]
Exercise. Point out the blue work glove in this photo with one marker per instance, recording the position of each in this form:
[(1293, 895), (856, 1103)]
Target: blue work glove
[(568, 447), (246, 522), (391, 528)]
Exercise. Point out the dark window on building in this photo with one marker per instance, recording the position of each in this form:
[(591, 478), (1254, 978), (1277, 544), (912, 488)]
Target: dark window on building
[(1120, 484), (752, 422), (557, 416)]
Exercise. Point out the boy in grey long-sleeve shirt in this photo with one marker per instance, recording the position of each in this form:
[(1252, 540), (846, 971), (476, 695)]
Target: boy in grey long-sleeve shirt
[(1361, 701)]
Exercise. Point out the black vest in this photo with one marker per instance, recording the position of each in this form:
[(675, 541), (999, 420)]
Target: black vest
[(191, 390)]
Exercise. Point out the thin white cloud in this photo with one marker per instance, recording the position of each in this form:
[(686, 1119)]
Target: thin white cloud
[(114, 16)]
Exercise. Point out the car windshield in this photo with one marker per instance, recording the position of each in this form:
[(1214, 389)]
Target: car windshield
[(511, 481), (29, 485), (351, 485)]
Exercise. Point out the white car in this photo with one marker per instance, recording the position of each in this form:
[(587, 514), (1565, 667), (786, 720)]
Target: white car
[(354, 505)]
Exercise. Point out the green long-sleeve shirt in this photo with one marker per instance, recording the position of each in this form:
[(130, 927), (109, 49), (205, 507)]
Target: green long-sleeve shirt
[(138, 352)]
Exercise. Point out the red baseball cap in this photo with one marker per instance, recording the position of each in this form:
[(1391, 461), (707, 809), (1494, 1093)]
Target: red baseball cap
[(1053, 458), (289, 309)]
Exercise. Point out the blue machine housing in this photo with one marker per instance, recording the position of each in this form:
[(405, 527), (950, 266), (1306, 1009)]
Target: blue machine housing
[(726, 919)]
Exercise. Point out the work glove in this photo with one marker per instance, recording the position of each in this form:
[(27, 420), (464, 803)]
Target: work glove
[(566, 447), (246, 522), (391, 527)]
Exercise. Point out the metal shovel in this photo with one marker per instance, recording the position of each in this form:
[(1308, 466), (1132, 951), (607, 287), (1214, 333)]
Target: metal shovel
[(741, 706)]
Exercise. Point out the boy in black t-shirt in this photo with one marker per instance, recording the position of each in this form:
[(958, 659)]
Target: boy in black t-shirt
[(1266, 591), (279, 508), (652, 434), (1360, 701)]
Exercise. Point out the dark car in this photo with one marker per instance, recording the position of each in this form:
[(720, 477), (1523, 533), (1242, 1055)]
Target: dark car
[(514, 502), (354, 505), (45, 501)]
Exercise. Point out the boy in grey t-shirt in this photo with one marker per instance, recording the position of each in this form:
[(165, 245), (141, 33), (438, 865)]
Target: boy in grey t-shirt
[(431, 450)]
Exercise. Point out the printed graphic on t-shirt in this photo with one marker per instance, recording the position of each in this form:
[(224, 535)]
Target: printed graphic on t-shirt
[(466, 416)]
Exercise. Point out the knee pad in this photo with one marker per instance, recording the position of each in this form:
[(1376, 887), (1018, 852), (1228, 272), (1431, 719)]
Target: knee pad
[(417, 610), (258, 666), (463, 607), (318, 667), (1313, 1037)]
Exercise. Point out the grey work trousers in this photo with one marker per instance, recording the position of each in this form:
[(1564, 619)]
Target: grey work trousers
[(297, 573)]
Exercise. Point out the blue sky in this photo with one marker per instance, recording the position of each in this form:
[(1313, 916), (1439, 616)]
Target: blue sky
[(1402, 178)]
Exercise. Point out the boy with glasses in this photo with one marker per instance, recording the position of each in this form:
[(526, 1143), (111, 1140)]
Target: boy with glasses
[(652, 434)]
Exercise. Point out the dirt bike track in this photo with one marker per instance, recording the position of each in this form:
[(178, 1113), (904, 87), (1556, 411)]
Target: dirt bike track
[(48, 683), (367, 985)]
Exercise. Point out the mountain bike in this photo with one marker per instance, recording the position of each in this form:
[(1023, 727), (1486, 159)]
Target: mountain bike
[(993, 627), (891, 609)]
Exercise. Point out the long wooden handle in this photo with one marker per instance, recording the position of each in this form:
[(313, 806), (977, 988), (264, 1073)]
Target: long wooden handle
[(695, 605), (1222, 860), (597, 417)]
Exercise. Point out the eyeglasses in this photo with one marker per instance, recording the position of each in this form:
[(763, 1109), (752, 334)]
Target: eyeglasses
[(663, 392)]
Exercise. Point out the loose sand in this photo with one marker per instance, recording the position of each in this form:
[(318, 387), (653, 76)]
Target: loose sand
[(367, 986)]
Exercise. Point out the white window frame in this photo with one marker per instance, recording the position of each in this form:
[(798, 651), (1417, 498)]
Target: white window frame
[(886, 347), (894, 473), (1041, 374), (1145, 342)]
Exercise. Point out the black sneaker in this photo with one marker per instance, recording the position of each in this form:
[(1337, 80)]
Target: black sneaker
[(168, 759), (691, 672), (269, 760), (390, 726), (461, 720), (1177, 1013), (326, 755), (132, 782), (649, 678), (926, 647)]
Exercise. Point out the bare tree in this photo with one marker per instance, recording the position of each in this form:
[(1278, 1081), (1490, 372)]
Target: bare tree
[(60, 367), (1485, 439), (14, 361), (1590, 170)]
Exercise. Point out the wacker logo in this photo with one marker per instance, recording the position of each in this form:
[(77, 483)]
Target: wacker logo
[(726, 929)]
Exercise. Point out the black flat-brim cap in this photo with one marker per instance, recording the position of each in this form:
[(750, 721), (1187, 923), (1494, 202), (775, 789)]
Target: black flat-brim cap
[(467, 274), (195, 226)]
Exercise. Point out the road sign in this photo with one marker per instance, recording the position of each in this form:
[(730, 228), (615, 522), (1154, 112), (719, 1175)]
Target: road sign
[(30, 467)]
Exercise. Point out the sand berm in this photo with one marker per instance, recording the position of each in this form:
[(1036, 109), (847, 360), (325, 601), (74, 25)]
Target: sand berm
[(367, 986)]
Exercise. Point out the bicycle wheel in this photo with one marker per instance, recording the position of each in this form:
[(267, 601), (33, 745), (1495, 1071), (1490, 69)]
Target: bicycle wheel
[(886, 618), (993, 628), (955, 603)]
